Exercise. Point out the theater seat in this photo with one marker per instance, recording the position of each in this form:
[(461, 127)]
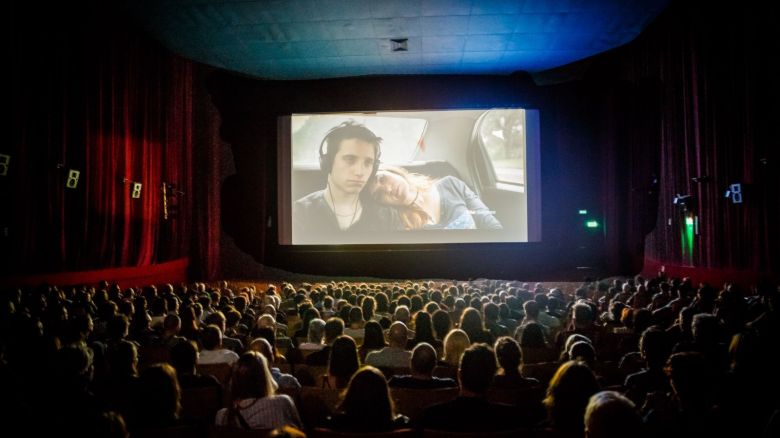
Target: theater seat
[(412, 402), (221, 371), (201, 404)]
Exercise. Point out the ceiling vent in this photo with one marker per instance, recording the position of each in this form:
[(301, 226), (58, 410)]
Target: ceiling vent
[(399, 45)]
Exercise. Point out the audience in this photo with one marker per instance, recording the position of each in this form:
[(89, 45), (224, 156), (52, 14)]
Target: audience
[(77, 351)]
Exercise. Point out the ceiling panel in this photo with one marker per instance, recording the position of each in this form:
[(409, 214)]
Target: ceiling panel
[(305, 39)]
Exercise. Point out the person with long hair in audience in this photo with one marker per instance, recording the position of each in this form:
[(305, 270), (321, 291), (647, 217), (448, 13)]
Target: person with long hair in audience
[(456, 342), (442, 323), (567, 397), (253, 403), (366, 405), (158, 405), (373, 340), (471, 323), (343, 362), (423, 332), (509, 357)]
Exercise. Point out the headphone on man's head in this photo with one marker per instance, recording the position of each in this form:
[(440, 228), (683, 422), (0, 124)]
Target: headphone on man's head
[(327, 156)]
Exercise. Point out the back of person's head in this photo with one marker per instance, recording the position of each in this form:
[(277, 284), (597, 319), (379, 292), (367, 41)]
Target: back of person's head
[(75, 365), (609, 414), (159, 401), (251, 377), (584, 351), (455, 343), (309, 314), (568, 393), (398, 334), (690, 376), (373, 336), (471, 321), (367, 399), (531, 309), (582, 314), (532, 336), (117, 327), (477, 368), (184, 357), (172, 323), (262, 346), (368, 307), (423, 326), (216, 318), (441, 323), (268, 334), (355, 315), (423, 359), (576, 337), (316, 331), (334, 328), (343, 360), (704, 328), (642, 319), (491, 311), (508, 354), (123, 358), (211, 337), (654, 347), (402, 313)]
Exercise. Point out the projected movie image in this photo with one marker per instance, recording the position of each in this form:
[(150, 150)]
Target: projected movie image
[(412, 177)]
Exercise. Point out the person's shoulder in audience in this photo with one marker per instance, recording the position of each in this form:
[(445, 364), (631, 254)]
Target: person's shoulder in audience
[(410, 382)]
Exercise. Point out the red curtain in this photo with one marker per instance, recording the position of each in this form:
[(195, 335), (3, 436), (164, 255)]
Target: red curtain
[(716, 93), (90, 95)]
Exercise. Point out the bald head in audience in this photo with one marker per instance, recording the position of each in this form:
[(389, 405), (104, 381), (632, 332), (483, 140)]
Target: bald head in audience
[(423, 360), (398, 334)]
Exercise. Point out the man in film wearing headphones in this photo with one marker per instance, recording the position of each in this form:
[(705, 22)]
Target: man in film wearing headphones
[(349, 157)]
